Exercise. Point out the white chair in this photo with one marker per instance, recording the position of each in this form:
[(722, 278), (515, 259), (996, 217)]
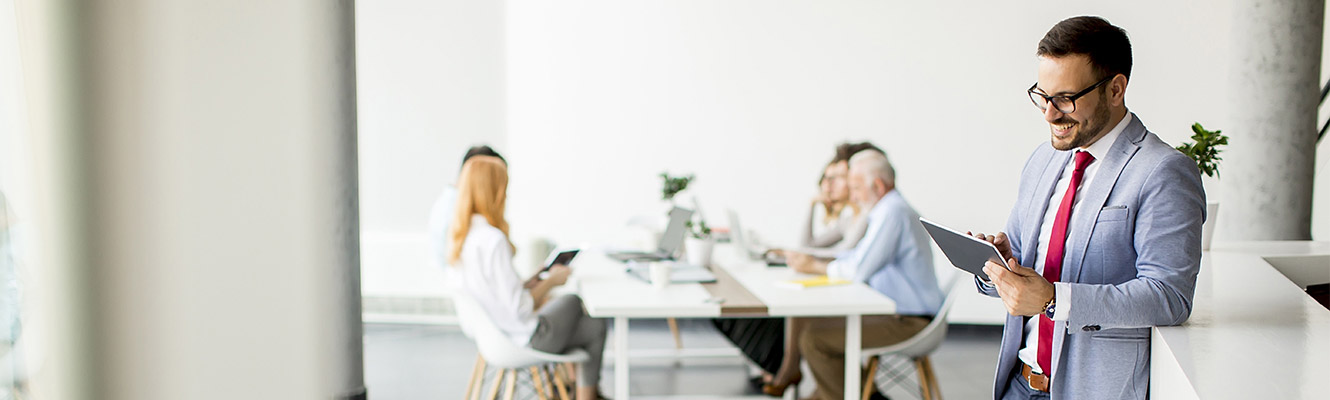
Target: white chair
[(917, 348), (510, 359)]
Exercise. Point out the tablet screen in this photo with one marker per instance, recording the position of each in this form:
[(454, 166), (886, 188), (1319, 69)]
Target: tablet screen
[(564, 257)]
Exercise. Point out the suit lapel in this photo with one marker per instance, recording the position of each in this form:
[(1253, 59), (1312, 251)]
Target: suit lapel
[(1057, 161), (1083, 221)]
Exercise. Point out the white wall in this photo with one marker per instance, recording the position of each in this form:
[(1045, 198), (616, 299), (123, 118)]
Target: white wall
[(430, 85), (752, 95)]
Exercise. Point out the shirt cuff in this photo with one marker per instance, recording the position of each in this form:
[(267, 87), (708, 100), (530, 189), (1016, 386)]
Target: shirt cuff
[(834, 269), (1062, 296)]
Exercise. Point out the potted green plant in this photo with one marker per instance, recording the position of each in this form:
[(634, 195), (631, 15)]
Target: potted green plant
[(698, 244), (1205, 152)]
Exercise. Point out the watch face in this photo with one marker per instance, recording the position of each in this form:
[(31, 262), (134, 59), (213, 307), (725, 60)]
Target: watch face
[(1049, 312)]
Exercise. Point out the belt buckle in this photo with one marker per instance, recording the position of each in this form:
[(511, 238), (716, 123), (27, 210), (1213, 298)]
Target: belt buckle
[(1029, 379)]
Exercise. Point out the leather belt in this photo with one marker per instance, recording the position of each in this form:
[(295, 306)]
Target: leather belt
[(1037, 381)]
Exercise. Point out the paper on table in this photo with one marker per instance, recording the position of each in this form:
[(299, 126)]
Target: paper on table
[(811, 282)]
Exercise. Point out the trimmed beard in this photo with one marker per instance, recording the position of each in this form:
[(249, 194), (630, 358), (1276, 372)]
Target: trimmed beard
[(1083, 136)]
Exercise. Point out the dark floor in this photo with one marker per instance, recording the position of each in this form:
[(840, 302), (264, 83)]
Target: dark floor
[(407, 362)]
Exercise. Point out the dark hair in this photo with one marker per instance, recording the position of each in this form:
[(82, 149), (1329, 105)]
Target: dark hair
[(847, 150), (482, 150), (1106, 45)]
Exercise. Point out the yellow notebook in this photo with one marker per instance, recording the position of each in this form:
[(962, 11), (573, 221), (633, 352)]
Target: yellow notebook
[(812, 282)]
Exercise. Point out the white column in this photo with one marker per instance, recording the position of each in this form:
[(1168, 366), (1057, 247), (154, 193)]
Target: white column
[(197, 166), (1267, 168)]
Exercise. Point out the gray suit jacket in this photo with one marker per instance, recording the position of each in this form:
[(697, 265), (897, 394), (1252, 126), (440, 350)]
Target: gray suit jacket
[(1133, 251)]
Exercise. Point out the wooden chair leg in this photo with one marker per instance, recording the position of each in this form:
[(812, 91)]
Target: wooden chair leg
[(498, 378), (558, 381), (535, 382), (551, 376), (923, 379), (868, 379), (512, 386), (932, 378), (477, 374), (674, 330)]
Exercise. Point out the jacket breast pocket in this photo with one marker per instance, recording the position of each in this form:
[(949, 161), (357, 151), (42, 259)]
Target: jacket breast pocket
[(1113, 213)]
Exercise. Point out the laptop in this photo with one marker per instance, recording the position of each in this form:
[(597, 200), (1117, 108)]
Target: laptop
[(670, 241), (753, 251), (679, 273)]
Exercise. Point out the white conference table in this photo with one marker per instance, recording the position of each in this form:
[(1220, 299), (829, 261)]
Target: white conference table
[(609, 292)]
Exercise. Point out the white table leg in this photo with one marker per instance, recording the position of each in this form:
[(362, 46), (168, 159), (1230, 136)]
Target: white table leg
[(792, 392), (621, 358), (853, 348)]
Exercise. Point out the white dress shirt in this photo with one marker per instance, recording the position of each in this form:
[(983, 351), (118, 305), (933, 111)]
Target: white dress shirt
[(1098, 149), (486, 273)]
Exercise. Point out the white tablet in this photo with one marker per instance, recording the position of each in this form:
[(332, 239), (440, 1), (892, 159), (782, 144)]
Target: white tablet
[(965, 252)]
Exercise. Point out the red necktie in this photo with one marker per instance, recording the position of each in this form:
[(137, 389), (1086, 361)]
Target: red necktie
[(1057, 243)]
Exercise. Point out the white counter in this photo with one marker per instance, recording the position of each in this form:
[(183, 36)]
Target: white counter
[(1253, 333)]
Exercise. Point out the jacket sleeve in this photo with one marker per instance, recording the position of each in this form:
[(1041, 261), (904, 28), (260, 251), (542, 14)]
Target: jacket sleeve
[(1014, 223), (1167, 240)]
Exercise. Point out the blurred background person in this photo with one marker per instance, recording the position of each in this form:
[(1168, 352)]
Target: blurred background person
[(445, 207), (894, 258), (834, 222), (482, 260)]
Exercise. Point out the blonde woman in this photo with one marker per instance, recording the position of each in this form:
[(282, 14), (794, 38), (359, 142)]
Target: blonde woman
[(834, 222), (482, 260)]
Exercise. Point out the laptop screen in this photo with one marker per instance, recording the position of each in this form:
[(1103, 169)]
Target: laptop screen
[(674, 232)]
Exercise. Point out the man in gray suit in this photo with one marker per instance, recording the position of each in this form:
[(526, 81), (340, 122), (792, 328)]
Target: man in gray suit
[(1104, 240)]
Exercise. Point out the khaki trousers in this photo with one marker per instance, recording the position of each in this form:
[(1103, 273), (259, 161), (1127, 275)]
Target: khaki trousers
[(823, 346)]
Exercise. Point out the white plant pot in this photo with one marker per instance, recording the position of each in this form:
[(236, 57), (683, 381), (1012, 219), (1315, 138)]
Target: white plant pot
[(698, 251), (1208, 228)]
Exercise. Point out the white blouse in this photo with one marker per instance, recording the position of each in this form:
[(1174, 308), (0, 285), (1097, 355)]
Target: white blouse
[(486, 273)]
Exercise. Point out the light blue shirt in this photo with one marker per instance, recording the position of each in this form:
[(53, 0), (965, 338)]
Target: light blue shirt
[(894, 258), (440, 219)]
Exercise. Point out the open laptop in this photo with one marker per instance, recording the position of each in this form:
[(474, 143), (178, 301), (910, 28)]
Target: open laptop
[(751, 250), (669, 241)]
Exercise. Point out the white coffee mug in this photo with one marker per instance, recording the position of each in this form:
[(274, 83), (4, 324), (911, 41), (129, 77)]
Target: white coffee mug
[(660, 274)]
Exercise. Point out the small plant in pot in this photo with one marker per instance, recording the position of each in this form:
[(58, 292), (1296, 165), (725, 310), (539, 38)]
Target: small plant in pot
[(1205, 152), (698, 244)]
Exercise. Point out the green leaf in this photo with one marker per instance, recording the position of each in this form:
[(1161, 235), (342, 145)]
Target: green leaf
[(1205, 152)]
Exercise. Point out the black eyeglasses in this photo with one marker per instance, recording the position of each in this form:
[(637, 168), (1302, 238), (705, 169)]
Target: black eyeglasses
[(1064, 104)]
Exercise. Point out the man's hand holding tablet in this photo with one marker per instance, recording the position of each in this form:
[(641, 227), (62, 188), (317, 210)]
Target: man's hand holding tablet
[(999, 240), (968, 252), (1023, 291), (1013, 275)]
